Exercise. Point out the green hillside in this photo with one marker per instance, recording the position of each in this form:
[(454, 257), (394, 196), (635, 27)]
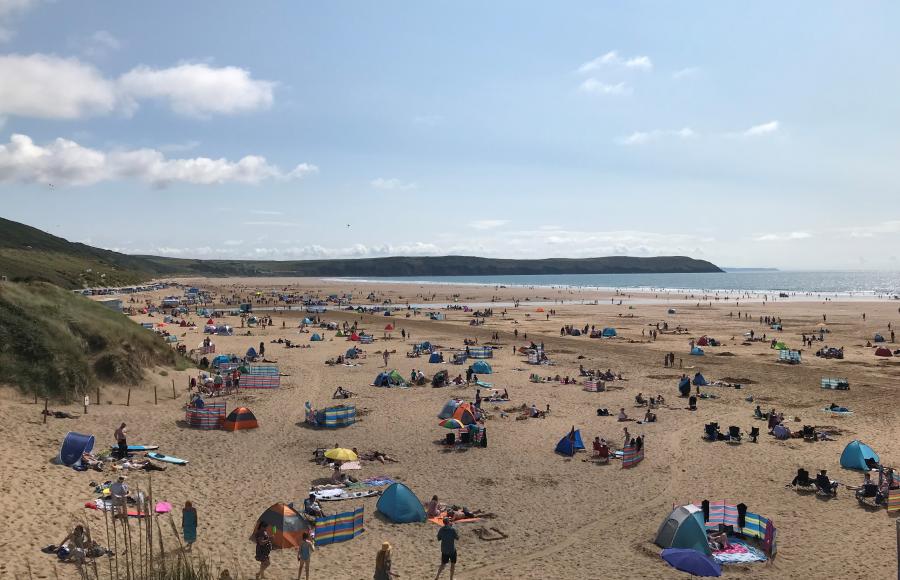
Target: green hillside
[(59, 344), (29, 254)]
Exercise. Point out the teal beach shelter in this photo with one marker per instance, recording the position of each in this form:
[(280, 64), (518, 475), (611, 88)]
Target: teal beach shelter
[(683, 528), (482, 368), (568, 445), (855, 455), (400, 505)]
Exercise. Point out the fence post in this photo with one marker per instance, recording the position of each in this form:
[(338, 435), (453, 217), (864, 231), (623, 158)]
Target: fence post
[(46, 403), (174, 396), (155, 400), (128, 402), (98, 395)]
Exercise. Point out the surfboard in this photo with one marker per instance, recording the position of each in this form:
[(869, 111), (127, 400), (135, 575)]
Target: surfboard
[(166, 458), (143, 447)]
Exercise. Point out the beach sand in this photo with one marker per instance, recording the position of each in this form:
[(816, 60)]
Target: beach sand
[(565, 518)]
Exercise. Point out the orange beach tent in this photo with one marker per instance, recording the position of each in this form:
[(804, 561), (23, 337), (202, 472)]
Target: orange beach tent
[(240, 418)]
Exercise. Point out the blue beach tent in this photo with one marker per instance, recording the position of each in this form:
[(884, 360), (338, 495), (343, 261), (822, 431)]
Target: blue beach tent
[(697, 351), (73, 446), (568, 446), (482, 368), (609, 332), (855, 454), (400, 505)]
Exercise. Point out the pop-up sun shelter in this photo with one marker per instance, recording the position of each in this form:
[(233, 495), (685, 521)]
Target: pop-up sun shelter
[(449, 408), (482, 368), (73, 446), (700, 380), (855, 455), (883, 351), (400, 505), (609, 332), (316, 337), (240, 418), (435, 358), (878, 338), (389, 379), (286, 526), (697, 351), (683, 528), (569, 444)]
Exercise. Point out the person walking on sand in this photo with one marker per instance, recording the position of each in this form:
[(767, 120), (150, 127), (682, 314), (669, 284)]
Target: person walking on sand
[(304, 553), (447, 536), (189, 524), (386, 357), (263, 548), (383, 563)]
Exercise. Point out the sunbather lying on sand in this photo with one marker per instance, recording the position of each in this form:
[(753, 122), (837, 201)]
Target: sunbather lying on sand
[(377, 456), (455, 512), (59, 414)]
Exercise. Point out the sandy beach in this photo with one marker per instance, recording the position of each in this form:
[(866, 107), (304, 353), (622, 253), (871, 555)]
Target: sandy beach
[(564, 517)]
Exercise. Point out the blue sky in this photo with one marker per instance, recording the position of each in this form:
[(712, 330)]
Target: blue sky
[(756, 134)]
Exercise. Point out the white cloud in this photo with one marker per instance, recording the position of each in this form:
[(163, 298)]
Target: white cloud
[(51, 87), (392, 184), (644, 137), (686, 73), (199, 90), (265, 212), (873, 230), (612, 58), (487, 224), (597, 87), (763, 129), (65, 162), (9, 10), (99, 44), (786, 237)]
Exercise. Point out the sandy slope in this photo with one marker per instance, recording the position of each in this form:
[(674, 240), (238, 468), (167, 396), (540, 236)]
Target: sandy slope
[(565, 518)]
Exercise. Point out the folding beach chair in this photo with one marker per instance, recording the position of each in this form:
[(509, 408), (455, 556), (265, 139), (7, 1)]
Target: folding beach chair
[(601, 455), (734, 434), (754, 434)]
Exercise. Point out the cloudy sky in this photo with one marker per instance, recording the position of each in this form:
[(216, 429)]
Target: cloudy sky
[(754, 134)]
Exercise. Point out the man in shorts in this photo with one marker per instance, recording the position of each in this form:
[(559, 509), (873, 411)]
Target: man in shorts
[(448, 536)]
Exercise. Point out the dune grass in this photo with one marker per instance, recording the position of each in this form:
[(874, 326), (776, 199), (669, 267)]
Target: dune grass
[(57, 344)]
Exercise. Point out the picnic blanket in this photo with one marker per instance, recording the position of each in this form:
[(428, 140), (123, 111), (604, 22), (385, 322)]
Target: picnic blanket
[(377, 481)]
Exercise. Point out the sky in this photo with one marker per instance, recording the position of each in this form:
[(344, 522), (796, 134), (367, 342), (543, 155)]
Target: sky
[(759, 134)]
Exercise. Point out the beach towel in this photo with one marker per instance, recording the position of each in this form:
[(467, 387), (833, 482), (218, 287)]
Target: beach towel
[(377, 481), (843, 411), (439, 520), (350, 466), (739, 553), (340, 494)]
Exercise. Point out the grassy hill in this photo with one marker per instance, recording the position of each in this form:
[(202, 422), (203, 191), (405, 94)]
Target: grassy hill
[(29, 254), (59, 344)]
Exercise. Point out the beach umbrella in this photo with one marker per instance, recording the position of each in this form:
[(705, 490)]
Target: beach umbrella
[(691, 561), (451, 423), (341, 454)]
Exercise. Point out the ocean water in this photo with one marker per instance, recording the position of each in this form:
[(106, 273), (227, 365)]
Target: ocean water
[(800, 283)]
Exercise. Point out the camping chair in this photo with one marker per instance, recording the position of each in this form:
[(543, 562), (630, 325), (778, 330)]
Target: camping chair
[(711, 432), (802, 482), (640, 401), (869, 496), (825, 487), (754, 434), (809, 433), (734, 434)]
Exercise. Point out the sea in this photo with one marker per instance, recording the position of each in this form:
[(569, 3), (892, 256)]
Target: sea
[(859, 284)]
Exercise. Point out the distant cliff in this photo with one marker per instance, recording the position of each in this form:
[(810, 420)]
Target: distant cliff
[(29, 254)]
